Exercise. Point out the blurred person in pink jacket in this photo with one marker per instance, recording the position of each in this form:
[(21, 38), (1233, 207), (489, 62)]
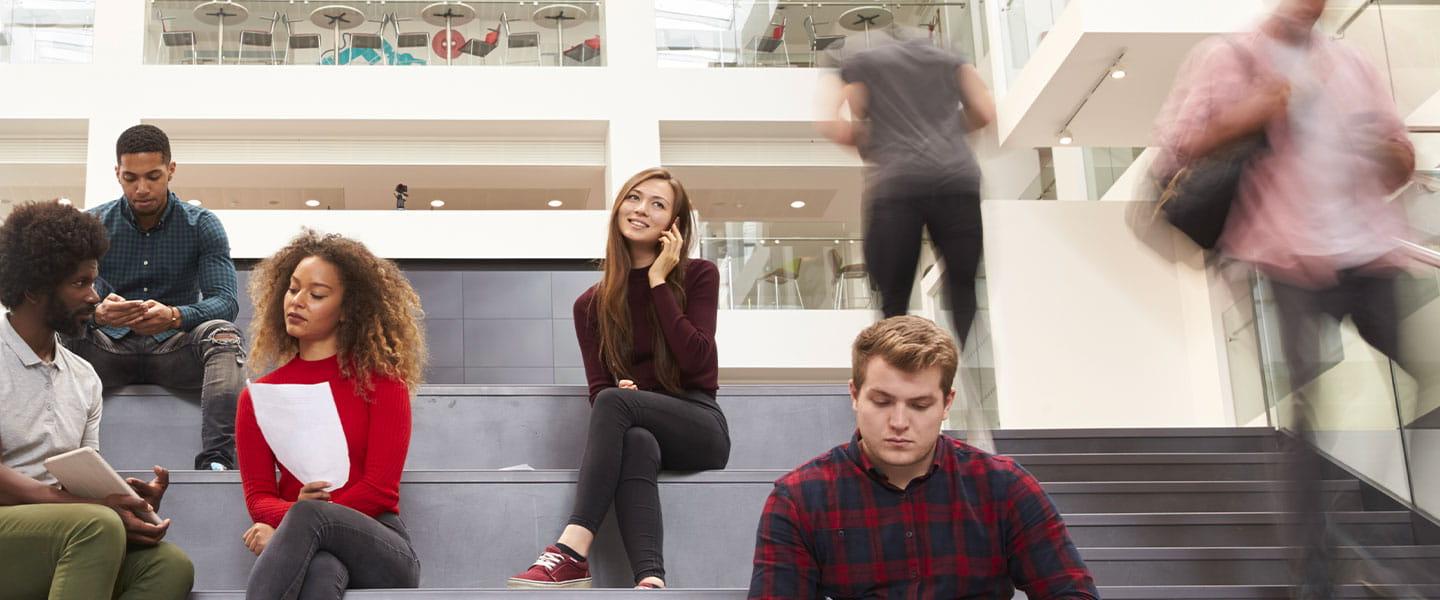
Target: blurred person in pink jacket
[(1312, 210)]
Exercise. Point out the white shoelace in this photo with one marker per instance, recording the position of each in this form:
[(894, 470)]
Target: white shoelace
[(549, 560)]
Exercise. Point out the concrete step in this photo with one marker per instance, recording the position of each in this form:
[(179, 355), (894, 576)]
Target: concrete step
[(492, 427), (1258, 592), (1258, 565), (1199, 592), (504, 594), (473, 529), (1192, 496), (1116, 530), (1156, 466), (1092, 441)]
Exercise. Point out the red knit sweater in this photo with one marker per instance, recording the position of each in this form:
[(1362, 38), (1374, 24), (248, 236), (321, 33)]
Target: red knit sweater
[(689, 333), (377, 433)]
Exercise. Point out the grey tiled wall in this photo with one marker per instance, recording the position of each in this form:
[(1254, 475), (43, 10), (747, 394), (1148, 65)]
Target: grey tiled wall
[(489, 324)]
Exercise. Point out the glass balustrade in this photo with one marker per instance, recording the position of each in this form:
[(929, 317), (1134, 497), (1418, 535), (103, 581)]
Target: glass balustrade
[(46, 31), (783, 33), (401, 33), (1024, 24), (758, 272), (1378, 417)]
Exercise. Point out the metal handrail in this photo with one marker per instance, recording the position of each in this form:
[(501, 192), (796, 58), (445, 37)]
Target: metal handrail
[(1340, 31), (1421, 253)]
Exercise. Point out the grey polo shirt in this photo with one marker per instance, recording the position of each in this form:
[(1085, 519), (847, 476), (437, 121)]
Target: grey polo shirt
[(46, 408)]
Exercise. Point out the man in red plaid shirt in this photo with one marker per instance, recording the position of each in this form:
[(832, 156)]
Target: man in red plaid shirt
[(905, 512)]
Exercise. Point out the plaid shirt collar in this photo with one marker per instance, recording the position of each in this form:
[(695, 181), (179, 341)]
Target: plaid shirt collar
[(857, 455), (129, 216)]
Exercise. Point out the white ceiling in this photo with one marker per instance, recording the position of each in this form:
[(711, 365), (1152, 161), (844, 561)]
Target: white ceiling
[(380, 127), (357, 187), (1122, 112)]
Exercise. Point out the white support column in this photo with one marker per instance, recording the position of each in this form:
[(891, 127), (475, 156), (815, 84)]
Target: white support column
[(1071, 177), (631, 145), (633, 141), (119, 50), (100, 183), (630, 34), (119, 35)]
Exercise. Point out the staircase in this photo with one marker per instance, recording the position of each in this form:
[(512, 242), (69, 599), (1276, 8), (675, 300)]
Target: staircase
[(1165, 514)]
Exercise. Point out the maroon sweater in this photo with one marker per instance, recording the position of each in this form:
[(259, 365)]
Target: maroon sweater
[(689, 333)]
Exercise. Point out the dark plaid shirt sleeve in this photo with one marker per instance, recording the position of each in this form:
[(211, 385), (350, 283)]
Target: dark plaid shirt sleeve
[(784, 566), (1042, 560), (216, 277)]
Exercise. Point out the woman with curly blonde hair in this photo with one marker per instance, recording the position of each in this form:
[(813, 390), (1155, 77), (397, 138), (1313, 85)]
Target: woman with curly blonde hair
[(327, 310)]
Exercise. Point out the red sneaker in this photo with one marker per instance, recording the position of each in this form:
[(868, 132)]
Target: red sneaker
[(554, 569)]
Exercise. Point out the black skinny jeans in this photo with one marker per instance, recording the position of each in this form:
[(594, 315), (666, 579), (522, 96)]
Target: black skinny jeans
[(897, 213), (633, 435), (321, 549)]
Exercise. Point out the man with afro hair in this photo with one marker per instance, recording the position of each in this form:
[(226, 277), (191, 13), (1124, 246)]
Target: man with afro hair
[(54, 544)]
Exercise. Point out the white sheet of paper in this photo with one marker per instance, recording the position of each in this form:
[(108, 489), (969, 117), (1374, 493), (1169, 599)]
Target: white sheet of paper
[(302, 426)]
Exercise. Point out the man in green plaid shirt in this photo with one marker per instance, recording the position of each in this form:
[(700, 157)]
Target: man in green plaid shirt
[(169, 295)]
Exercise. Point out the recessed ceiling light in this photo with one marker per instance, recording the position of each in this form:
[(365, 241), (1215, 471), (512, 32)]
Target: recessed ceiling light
[(312, 203), (1117, 73), (437, 203), (837, 242), (64, 201), (193, 202), (555, 204), (797, 204)]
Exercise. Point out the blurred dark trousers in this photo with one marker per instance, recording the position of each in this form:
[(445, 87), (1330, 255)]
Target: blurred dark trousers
[(1305, 317), (897, 214)]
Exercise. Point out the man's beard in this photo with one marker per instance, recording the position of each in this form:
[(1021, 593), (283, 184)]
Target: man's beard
[(64, 321)]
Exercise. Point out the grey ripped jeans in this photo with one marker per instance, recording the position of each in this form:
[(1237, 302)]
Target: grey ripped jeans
[(209, 358), (321, 549)]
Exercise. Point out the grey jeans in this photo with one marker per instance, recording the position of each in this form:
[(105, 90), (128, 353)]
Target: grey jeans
[(209, 358), (322, 548)]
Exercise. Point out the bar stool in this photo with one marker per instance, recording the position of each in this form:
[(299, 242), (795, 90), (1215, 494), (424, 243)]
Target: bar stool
[(554, 17), (448, 15), (820, 43), (773, 40), (298, 41), (261, 38), (524, 39), (338, 18), (176, 39), (221, 13), (844, 273), (788, 273), (483, 46)]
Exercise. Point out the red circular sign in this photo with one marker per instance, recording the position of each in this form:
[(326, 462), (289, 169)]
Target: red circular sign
[(447, 46)]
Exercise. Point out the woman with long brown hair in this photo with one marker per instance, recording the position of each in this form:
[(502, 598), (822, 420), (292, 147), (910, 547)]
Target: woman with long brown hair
[(327, 311), (647, 336)]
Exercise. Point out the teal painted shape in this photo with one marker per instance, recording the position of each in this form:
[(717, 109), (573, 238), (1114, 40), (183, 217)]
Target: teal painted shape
[(371, 56)]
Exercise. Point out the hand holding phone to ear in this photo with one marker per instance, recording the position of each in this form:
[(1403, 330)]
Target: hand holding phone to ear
[(670, 245)]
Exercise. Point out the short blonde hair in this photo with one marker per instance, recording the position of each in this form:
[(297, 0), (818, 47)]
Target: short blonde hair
[(911, 344)]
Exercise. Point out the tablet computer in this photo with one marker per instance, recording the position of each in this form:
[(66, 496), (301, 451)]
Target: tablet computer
[(83, 472)]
